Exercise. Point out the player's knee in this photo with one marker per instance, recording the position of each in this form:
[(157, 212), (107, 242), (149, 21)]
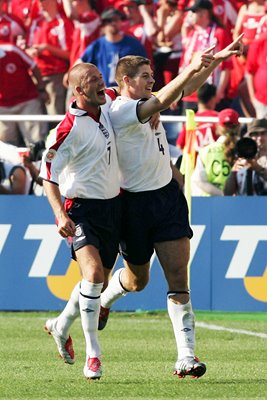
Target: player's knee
[(138, 285)]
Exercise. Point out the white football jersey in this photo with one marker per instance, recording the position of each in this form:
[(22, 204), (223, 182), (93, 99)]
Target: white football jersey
[(82, 157), (143, 153)]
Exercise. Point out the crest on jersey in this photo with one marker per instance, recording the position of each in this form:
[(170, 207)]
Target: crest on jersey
[(78, 231), (11, 68), (50, 155), (4, 31)]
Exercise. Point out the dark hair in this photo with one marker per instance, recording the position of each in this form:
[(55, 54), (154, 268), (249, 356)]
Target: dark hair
[(206, 92), (129, 66), (216, 19)]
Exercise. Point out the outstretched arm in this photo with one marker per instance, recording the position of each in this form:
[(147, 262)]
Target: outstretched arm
[(233, 49), (174, 89)]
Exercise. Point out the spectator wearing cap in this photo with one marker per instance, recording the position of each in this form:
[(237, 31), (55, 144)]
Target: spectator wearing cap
[(109, 48), (256, 67), (249, 173), (215, 161), (205, 32), (225, 10), (139, 23)]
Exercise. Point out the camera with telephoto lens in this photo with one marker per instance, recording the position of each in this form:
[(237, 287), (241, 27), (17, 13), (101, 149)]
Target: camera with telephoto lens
[(36, 150), (246, 148)]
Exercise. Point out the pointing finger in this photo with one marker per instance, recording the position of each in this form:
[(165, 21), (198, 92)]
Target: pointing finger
[(238, 38), (209, 49)]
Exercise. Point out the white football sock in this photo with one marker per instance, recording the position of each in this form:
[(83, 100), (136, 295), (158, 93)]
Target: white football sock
[(89, 301), (70, 312), (113, 291), (183, 322)]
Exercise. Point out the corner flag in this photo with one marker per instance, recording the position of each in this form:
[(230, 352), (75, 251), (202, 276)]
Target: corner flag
[(189, 156)]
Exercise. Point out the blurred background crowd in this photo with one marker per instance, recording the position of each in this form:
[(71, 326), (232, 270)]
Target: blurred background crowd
[(40, 40)]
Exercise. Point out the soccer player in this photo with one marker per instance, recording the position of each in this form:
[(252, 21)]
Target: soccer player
[(81, 165), (154, 209)]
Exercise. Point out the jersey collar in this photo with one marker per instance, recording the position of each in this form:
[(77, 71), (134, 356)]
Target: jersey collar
[(82, 113)]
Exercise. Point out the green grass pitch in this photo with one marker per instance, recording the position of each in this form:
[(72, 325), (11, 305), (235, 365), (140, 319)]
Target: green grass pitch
[(138, 357)]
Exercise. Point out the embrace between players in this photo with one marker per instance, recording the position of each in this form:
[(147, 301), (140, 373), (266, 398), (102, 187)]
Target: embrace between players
[(113, 168)]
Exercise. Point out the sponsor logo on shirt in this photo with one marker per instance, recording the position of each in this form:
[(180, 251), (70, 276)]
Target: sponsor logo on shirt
[(103, 130)]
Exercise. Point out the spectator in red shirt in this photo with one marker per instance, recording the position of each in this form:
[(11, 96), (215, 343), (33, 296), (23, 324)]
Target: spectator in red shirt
[(168, 46), (86, 26), (203, 33), (10, 26), (139, 23), (262, 25), (248, 20), (49, 43), (226, 11), (86, 30), (25, 10), (23, 98), (28, 10), (257, 75), (205, 131)]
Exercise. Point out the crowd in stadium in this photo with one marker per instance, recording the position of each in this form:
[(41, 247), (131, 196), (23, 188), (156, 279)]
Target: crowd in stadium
[(40, 40)]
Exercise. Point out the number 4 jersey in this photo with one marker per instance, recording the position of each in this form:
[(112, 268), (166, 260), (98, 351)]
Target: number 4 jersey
[(143, 153)]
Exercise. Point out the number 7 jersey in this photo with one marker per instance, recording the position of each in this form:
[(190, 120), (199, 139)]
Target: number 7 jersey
[(81, 157), (143, 153)]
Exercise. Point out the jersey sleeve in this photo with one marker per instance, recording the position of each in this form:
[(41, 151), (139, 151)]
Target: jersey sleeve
[(60, 151), (123, 113)]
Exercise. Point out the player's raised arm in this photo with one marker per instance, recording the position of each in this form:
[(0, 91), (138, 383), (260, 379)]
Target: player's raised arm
[(233, 49), (174, 89)]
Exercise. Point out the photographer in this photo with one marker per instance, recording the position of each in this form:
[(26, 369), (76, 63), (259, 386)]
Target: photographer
[(19, 171), (32, 163), (13, 176), (249, 172)]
